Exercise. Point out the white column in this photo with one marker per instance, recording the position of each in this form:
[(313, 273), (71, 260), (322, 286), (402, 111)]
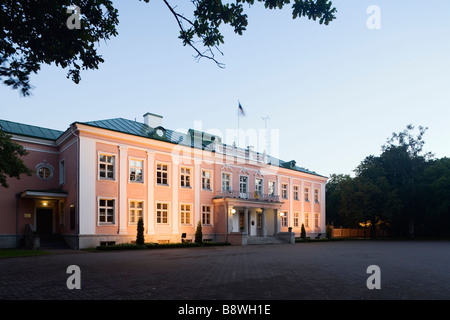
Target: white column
[(263, 222), (123, 180), (197, 189), (322, 208), (150, 182), (175, 186), (246, 224), (291, 204)]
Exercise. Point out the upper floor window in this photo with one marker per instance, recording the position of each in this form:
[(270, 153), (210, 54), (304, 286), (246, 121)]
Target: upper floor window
[(271, 188), (162, 174), (136, 170), (226, 181), (206, 180), (185, 177), (243, 184), (284, 190), (306, 191), (296, 197), (316, 195), (106, 164), (259, 186), (44, 172)]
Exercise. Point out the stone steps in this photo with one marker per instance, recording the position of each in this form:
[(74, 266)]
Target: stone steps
[(264, 240)]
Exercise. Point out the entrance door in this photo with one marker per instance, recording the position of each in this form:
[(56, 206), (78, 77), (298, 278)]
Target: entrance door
[(44, 221)]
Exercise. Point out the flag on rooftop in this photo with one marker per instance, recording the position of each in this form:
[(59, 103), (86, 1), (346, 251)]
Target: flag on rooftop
[(241, 110)]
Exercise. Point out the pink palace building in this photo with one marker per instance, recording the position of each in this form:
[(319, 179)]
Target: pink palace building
[(92, 183)]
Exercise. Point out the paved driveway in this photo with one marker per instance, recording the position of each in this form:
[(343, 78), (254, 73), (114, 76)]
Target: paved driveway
[(328, 270)]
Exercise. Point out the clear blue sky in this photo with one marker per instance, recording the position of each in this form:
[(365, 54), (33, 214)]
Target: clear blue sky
[(333, 93)]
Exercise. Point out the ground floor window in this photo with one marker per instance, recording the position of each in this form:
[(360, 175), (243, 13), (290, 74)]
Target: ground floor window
[(185, 214), (162, 213), (136, 211), (206, 215), (106, 208), (306, 220), (284, 219), (296, 218)]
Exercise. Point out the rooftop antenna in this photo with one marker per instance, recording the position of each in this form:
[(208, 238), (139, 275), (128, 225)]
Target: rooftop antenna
[(265, 119)]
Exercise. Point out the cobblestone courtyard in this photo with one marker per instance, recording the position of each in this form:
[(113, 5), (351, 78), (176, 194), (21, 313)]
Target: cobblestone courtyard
[(327, 270)]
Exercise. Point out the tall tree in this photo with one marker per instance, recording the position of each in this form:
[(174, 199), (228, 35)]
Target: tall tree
[(39, 32), (11, 163)]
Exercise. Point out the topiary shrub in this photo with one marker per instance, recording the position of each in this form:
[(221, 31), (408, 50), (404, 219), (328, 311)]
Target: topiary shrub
[(303, 232), (140, 233), (199, 233)]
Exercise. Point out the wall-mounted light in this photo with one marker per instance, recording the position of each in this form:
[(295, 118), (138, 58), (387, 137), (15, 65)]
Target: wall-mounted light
[(233, 211), (281, 214), (45, 203)]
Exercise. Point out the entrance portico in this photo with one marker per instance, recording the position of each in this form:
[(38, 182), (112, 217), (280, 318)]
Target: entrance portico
[(250, 218)]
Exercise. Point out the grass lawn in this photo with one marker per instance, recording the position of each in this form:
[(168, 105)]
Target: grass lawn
[(9, 253)]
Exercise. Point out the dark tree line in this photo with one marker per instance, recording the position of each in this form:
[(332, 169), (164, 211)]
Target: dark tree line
[(404, 191)]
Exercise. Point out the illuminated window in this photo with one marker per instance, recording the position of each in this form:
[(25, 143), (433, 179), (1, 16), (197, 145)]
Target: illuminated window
[(162, 213), (185, 214), (284, 219), (271, 188), (206, 215), (136, 211)]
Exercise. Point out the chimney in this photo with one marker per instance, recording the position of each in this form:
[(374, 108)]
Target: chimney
[(152, 120)]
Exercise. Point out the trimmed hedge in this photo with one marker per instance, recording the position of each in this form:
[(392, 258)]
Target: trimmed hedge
[(131, 246)]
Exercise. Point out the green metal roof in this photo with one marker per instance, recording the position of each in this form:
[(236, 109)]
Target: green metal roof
[(29, 130), (143, 130)]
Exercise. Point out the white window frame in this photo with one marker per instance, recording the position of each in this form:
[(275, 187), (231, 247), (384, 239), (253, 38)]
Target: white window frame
[(285, 219), (183, 212), (274, 188), (296, 219), (296, 192), (230, 184), (131, 223), (210, 180), (260, 186), (284, 191), (187, 183), (168, 213), (159, 163), (306, 222), (316, 220), (114, 206), (114, 165), (316, 195), (136, 167), (210, 213), (245, 193), (306, 194)]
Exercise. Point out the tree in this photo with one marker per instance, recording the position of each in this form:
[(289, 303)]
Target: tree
[(303, 232), (140, 233), (33, 33), (198, 233), (11, 163)]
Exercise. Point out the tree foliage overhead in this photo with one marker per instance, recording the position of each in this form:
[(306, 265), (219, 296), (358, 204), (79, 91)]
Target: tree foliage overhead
[(35, 32), (11, 163)]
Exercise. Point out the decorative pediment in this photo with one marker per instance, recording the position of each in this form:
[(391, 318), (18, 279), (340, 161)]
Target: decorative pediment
[(244, 171), (227, 168), (259, 174)]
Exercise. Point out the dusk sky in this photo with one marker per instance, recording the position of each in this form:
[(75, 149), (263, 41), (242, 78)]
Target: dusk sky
[(333, 94)]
